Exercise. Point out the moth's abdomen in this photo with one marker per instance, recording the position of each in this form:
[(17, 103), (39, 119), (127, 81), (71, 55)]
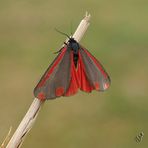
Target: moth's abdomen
[(75, 48), (75, 58)]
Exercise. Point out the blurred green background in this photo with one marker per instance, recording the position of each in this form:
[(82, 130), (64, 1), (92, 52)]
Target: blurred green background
[(117, 36)]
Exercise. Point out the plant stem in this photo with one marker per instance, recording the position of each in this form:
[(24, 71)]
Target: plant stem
[(25, 125)]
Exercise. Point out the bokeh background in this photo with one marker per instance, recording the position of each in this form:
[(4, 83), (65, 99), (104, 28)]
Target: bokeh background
[(117, 36)]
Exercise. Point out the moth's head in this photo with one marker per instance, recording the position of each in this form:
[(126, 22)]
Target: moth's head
[(73, 45), (72, 40)]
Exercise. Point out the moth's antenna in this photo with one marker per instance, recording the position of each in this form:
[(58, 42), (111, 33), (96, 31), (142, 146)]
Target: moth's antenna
[(71, 29), (62, 33)]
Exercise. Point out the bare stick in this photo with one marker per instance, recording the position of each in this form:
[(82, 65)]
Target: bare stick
[(81, 29), (27, 122)]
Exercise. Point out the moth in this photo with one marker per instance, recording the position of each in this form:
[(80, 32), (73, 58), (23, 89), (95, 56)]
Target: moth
[(74, 68)]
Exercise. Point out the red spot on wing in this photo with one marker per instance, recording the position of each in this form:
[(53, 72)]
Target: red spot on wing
[(106, 85), (59, 91), (41, 96)]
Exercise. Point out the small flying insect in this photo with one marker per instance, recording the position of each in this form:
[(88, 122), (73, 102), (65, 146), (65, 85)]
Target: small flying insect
[(139, 137)]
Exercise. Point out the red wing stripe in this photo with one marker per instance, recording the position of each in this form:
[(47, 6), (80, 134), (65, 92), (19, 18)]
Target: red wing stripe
[(49, 71), (74, 84), (83, 81)]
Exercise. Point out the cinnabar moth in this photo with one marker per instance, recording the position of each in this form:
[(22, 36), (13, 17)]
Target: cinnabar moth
[(74, 68)]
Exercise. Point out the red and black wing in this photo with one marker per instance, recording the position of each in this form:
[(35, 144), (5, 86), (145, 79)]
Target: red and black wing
[(62, 78), (93, 75), (56, 80)]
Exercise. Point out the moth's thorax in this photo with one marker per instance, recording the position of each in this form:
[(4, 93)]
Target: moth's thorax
[(73, 45)]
